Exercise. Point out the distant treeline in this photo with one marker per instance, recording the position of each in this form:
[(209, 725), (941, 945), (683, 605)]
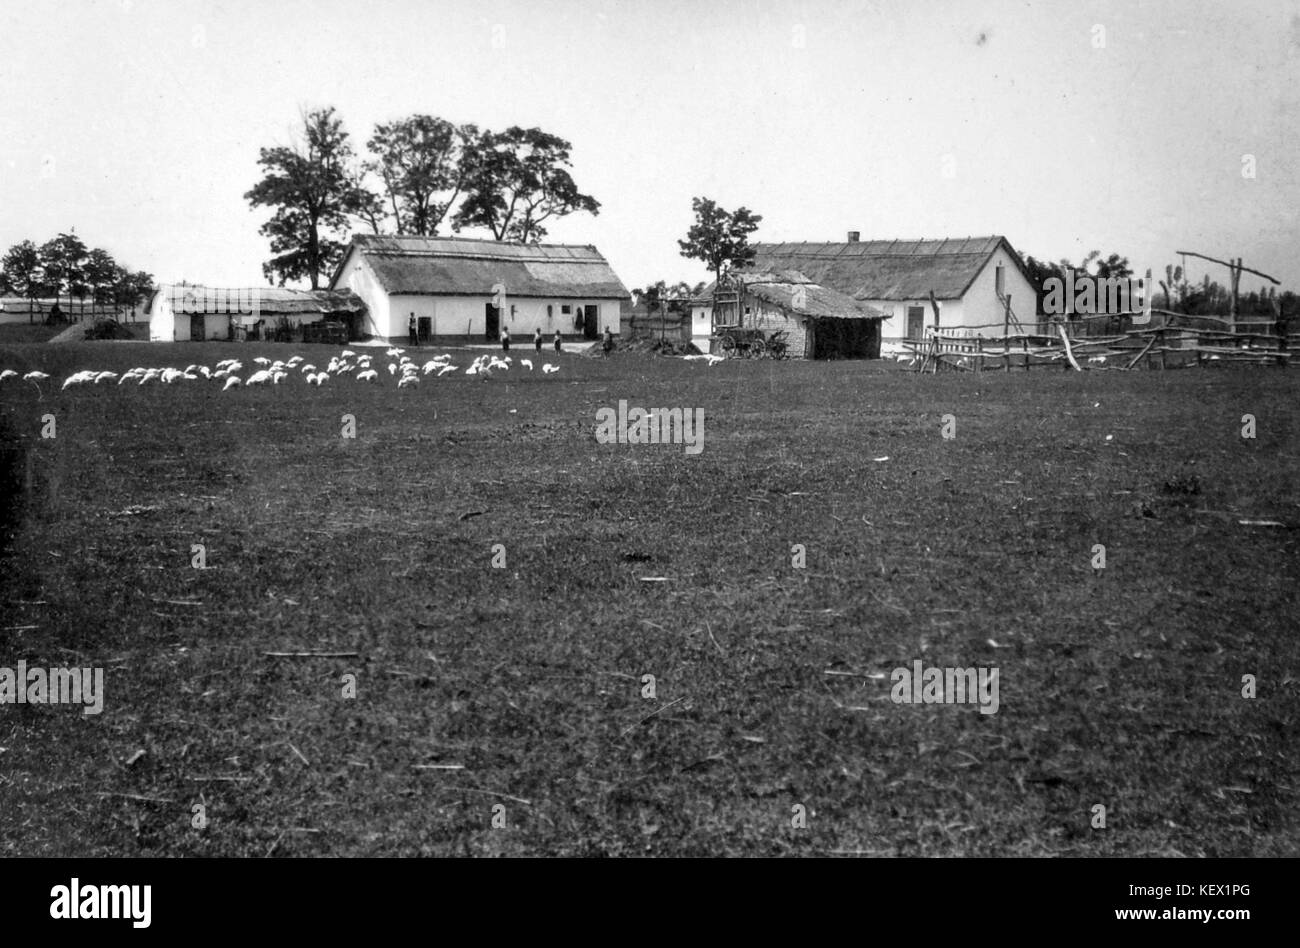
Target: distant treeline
[(64, 268)]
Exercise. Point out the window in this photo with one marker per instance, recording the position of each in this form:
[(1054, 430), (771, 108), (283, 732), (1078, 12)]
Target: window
[(566, 310)]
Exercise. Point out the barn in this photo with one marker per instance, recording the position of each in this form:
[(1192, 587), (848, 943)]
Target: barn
[(970, 279), (180, 312), (461, 289), (817, 322)]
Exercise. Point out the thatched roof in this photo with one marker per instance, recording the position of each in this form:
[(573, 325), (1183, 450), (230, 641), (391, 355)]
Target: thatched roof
[(454, 266), (263, 300), (888, 269), (795, 292), (812, 299)]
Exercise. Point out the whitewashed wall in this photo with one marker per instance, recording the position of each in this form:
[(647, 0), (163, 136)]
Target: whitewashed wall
[(894, 327), (162, 321), (983, 306), (701, 320), (467, 316), (358, 277)]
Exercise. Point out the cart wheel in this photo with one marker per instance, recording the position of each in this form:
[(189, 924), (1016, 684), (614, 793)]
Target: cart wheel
[(757, 349), (728, 346)]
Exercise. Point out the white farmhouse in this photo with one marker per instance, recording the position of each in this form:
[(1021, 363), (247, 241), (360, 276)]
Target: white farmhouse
[(970, 279), (469, 290)]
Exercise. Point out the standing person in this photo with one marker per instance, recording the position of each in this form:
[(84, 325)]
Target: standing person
[(505, 340), (537, 340), (608, 344), (412, 330), (557, 340)]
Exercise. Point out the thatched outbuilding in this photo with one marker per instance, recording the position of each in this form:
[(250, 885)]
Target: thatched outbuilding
[(180, 312), (817, 321)]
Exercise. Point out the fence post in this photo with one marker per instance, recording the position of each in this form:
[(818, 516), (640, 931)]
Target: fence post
[(1006, 330)]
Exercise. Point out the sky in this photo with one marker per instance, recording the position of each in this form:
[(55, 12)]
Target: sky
[(1139, 128)]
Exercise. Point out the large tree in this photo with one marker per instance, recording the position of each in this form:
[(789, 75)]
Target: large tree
[(100, 272), (517, 180), (24, 275), (63, 260), (1094, 264), (720, 238), (422, 163), (313, 186)]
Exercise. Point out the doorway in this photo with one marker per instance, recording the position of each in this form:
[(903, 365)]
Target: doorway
[(591, 322), (915, 322), (424, 329), (196, 327), (493, 331)]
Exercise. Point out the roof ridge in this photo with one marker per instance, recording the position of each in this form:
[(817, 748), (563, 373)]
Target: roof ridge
[(476, 240), (892, 269), (241, 289), (881, 240)]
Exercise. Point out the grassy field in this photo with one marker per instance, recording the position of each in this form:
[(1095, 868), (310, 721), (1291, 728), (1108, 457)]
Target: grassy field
[(522, 687), (16, 331), (12, 333)]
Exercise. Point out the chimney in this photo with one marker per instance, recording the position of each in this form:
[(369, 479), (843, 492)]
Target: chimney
[(853, 236)]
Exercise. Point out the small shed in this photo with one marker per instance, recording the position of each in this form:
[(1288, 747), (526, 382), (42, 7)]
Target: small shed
[(818, 322)]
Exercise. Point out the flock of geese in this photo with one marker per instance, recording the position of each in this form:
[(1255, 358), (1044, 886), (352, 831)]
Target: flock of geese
[(347, 364)]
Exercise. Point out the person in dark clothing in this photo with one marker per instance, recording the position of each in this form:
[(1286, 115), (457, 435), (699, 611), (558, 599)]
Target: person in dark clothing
[(412, 329), (557, 340), (608, 344), (537, 339), (505, 340)]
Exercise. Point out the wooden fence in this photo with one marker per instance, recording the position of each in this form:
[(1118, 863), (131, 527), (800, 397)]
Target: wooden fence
[(1160, 347)]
